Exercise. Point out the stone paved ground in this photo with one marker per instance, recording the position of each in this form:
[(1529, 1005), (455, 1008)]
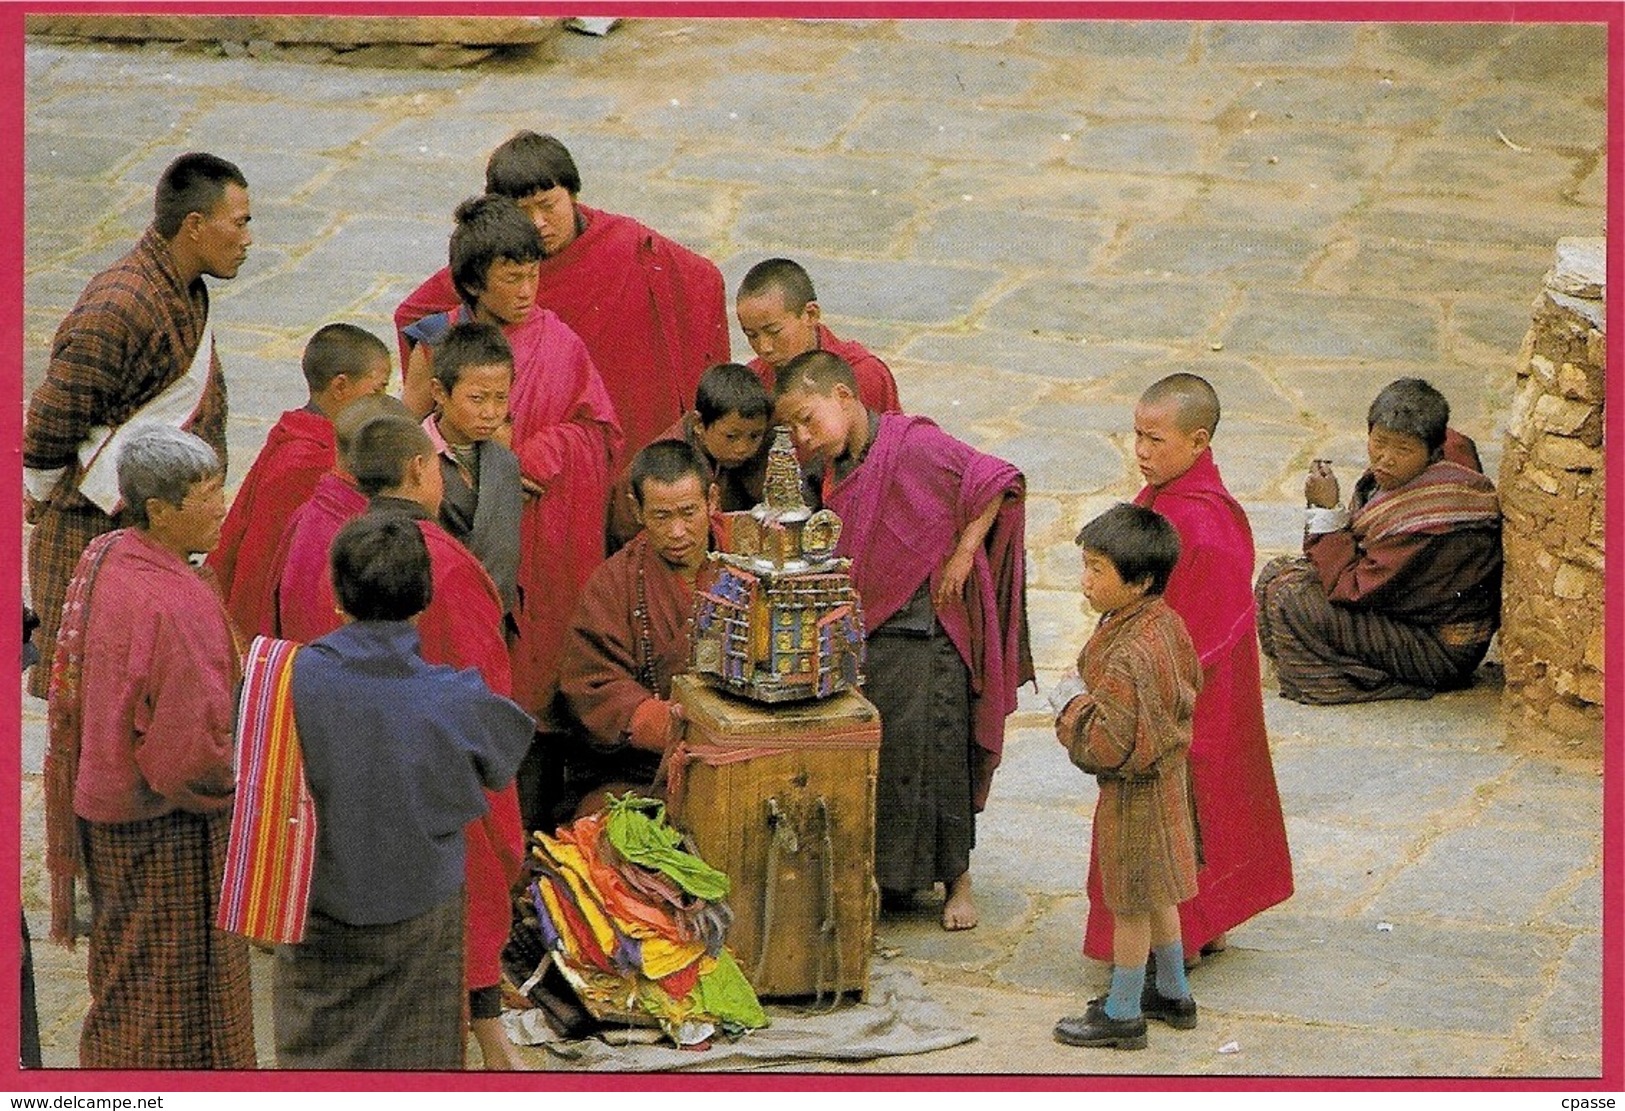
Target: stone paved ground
[(1030, 221)]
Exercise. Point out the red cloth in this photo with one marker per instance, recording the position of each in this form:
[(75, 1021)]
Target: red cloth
[(157, 701), (1247, 866), (653, 314), (902, 511), (463, 627), (877, 389), (297, 452), (302, 606)]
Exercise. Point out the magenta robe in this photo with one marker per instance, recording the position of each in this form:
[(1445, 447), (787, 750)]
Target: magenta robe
[(1246, 864), (303, 606), (298, 450), (902, 511), (653, 314)]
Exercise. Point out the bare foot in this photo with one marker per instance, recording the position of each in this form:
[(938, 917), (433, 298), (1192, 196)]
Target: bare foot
[(959, 912), (496, 1050)]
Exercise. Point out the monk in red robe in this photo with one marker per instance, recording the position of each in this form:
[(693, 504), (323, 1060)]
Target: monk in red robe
[(342, 363), (563, 431), (778, 312), (934, 530), (652, 313), (631, 634), (1247, 866)]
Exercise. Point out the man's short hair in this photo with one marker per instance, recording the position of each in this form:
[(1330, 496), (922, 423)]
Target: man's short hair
[(1141, 543), (668, 461), (192, 183), (338, 349), (731, 388), (783, 274), (380, 567), (469, 344), (1196, 403), (1411, 406), (528, 164), (380, 450), (818, 372), (489, 229), (163, 462), (358, 413)]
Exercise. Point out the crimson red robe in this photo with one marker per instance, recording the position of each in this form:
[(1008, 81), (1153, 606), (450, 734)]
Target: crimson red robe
[(902, 511), (462, 626), (298, 450), (652, 313), (302, 605), (877, 389), (1247, 866)]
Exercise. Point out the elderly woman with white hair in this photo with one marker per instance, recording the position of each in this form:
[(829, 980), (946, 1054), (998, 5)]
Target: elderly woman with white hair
[(138, 774)]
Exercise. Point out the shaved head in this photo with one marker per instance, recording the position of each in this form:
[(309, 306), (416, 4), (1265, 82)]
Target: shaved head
[(1195, 403)]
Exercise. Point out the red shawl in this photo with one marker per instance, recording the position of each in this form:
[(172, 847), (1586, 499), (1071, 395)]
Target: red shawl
[(303, 607), (877, 389), (297, 452), (902, 511), (653, 314)]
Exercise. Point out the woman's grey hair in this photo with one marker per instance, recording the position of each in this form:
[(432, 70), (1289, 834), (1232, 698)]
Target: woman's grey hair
[(161, 462), (1413, 407)]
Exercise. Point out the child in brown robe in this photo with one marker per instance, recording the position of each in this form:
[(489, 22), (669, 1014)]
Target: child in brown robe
[(1128, 723)]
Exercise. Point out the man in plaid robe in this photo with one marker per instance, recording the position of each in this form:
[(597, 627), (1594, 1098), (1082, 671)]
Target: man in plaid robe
[(136, 347)]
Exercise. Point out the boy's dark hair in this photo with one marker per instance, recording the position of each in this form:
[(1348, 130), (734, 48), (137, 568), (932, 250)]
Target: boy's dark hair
[(530, 163), (1196, 403), (470, 344), (816, 371), (1141, 543), (489, 229), (380, 567), (1411, 407), (380, 450), (783, 274), (731, 388), (338, 349), (668, 461), (192, 183)]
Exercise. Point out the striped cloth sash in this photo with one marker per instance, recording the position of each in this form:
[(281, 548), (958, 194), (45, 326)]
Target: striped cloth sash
[(1444, 497), (266, 892)]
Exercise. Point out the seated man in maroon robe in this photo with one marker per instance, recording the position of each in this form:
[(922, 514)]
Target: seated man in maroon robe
[(342, 363), (728, 426), (1246, 862), (934, 530), (652, 313), (1398, 595), (630, 634), (779, 313)]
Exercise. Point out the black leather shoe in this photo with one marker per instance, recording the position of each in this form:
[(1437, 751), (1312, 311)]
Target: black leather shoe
[(1178, 1013), (1095, 1028)]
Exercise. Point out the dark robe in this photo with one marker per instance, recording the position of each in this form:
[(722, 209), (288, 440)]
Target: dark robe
[(652, 313), (298, 450), (133, 333), (877, 389), (484, 515), (1247, 865), (1399, 603), (630, 635), (1132, 732), (903, 506)]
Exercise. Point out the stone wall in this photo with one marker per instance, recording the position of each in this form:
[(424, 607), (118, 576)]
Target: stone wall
[(438, 43), (1552, 495)]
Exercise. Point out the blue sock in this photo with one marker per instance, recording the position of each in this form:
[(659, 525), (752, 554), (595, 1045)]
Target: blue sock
[(1123, 1001), (1171, 982)]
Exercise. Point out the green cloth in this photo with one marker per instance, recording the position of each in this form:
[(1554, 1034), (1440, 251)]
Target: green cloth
[(653, 843), (725, 994)]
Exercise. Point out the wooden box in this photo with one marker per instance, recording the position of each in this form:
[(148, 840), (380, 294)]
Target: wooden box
[(782, 799)]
